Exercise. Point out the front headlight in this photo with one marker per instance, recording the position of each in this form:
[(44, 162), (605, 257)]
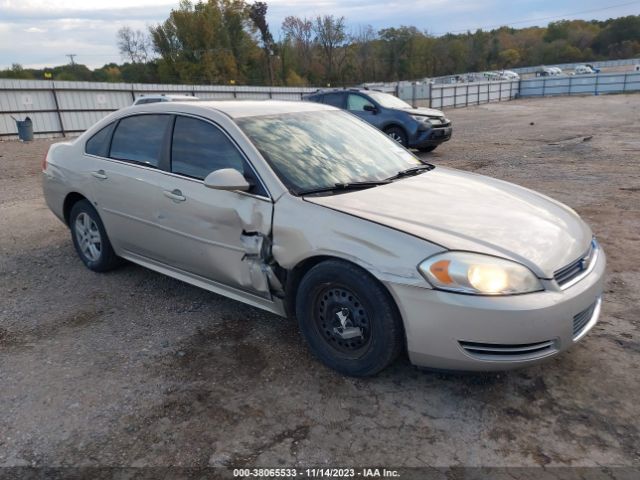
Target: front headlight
[(478, 274), (420, 118)]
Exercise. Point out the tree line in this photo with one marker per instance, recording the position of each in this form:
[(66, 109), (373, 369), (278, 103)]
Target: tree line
[(231, 42)]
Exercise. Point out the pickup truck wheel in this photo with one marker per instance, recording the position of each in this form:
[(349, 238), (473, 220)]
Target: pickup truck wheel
[(430, 148), (397, 134), (348, 319), (90, 238)]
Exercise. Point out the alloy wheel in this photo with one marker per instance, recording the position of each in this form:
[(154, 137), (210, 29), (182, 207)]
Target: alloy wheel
[(88, 237)]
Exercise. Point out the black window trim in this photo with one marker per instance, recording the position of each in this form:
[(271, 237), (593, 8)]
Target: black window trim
[(166, 151), (234, 143), (111, 125), (163, 160)]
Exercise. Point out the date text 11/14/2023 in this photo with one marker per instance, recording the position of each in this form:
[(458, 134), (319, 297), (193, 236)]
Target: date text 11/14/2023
[(315, 473)]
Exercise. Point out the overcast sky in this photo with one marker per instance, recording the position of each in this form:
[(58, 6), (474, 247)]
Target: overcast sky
[(37, 33)]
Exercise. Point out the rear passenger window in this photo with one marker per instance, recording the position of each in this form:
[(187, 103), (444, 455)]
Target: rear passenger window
[(334, 99), (140, 138), (98, 144), (199, 148)]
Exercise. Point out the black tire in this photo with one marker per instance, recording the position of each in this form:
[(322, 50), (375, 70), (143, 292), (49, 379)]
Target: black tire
[(397, 134), (106, 259), (430, 148), (322, 297)]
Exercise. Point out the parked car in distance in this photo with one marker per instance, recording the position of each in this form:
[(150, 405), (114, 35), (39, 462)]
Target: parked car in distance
[(509, 75), (583, 70), (420, 128), (595, 69), (143, 99), (549, 72), (301, 209)]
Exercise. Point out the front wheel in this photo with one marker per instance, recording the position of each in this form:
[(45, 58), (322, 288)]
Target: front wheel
[(90, 238), (397, 134), (348, 319)]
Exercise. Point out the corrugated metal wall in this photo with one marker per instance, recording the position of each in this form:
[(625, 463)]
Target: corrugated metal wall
[(581, 84), (572, 66), (68, 108), (466, 94)]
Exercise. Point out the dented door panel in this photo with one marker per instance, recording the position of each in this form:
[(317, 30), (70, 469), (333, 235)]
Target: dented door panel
[(216, 234)]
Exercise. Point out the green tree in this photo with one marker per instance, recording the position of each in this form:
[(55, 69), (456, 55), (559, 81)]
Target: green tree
[(207, 42)]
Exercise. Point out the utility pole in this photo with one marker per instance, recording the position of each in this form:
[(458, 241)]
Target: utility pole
[(71, 55)]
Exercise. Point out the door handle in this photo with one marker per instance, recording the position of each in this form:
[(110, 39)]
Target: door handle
[(175, 195), (100, 174)]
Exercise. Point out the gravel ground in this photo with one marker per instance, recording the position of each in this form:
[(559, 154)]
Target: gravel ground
[(132, 368)]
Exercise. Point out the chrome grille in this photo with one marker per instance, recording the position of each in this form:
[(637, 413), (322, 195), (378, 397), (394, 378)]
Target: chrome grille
[(509, 352), (573, 272), (581, 320)]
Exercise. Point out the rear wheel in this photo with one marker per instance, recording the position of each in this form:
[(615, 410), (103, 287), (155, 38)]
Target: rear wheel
[(348, 319), (397, 134), (90, 238), (430, 148)]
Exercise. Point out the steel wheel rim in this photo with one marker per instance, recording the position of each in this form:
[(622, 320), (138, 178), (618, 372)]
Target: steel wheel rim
[(88, 237), (328, 308)]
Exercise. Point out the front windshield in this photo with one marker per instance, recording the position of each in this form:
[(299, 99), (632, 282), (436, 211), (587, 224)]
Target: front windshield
[(388, 101), (319, 149)]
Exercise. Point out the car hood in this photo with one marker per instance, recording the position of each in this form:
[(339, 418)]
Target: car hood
[(431, 112), (464, 211)]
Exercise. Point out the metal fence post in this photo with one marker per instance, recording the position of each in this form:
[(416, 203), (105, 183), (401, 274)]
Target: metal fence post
[(488, 92), (466, 95), (55, 101), (413, 94), (596, 87), (133, 94), (441, 96), (500, 92), (455, 96), (624, 83), (430, 89), (544, 85), (570, 82)]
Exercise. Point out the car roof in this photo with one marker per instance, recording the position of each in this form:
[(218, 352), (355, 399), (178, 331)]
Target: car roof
[(235, 108), (162, 95), (344, 90)]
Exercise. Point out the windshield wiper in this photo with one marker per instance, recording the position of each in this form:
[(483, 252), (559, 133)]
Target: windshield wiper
[(340, 187), (411, 171)]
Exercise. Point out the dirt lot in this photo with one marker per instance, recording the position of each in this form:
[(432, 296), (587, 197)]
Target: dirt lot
[(132, 368)]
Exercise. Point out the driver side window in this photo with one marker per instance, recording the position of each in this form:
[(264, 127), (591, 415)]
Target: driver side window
[(199, 148), (356, 103)]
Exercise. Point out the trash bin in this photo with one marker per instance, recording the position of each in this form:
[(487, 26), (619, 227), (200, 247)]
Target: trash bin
[(25, 129)]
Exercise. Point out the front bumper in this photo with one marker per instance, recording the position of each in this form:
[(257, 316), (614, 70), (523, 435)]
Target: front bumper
[(467, 332), (430, 137)]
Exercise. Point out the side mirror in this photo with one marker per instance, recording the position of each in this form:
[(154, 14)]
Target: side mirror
[(370, 108), (227, 179)]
